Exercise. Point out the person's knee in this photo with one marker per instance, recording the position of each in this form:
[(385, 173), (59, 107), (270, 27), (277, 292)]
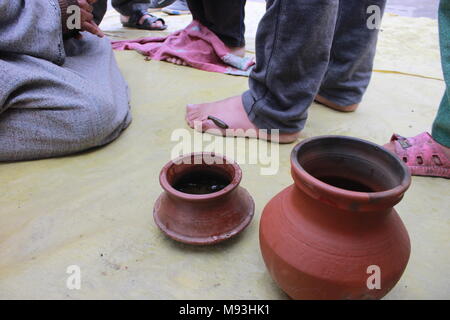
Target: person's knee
[(97, 121), (36, 133)]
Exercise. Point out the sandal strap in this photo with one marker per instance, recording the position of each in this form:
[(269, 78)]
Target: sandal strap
[(138, 14), (404, 143), (151, 20)]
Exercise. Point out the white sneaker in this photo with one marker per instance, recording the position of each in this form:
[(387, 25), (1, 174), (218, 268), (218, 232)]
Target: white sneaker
[(156, 4), (177, 8)]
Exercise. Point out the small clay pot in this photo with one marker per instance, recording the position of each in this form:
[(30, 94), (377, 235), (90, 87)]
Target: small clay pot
[(206, 218), (325, 236)]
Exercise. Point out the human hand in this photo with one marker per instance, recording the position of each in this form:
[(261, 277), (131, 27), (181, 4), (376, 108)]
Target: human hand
[(87, 19)]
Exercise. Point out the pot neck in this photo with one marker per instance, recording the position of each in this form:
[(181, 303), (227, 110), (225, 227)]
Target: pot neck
[(350, 201), (349, 173), (202, 198)]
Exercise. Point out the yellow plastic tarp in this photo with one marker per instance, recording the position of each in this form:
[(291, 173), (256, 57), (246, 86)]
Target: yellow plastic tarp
[(94, 210)]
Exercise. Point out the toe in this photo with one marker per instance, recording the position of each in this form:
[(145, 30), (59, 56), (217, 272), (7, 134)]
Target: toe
[(192, 108), (190, 122), (199, 125), (190, 118), (157, 24), (210, 127), (196, 116), (192, 115)]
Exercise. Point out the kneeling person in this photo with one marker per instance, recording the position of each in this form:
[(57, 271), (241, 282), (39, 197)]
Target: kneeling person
[(57, 96)]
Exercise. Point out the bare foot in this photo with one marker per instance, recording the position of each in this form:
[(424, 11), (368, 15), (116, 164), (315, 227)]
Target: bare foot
[(335, 106), (177, 61), (232, 121), (156, 25), (238, 51)]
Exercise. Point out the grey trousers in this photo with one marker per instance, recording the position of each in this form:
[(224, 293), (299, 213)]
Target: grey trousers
[(305, 47), (56, 97)]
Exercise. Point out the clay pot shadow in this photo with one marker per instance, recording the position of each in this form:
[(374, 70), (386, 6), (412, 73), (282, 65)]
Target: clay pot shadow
[(204, 249)]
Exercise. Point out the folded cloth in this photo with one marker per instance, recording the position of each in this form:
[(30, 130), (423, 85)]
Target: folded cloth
[(198, 46)]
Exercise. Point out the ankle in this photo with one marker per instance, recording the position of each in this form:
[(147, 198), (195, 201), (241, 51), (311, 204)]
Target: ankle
[(287, 137), (335, 106), (238, 51)]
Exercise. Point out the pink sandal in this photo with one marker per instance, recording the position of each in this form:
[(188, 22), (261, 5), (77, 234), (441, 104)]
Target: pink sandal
[(423, 155)]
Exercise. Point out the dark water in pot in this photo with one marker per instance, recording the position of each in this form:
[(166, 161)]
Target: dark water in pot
[(201, 182)]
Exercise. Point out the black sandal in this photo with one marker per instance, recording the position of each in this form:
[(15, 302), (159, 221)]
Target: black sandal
[(133, 21)]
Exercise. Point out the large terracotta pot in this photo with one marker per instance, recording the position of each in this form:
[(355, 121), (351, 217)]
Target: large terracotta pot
[(204, 218), (324, 236)]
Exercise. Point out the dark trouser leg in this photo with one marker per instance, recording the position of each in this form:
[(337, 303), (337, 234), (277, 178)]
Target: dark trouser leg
[(353, 51), (441, 125), (223, 17), (99, 11), (293, 45), (124, 7), (127, 7)]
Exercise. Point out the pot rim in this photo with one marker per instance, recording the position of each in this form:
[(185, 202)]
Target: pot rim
[(321, 186), (234, 183)]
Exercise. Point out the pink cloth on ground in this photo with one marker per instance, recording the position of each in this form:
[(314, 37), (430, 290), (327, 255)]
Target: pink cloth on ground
[(198, 46)]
